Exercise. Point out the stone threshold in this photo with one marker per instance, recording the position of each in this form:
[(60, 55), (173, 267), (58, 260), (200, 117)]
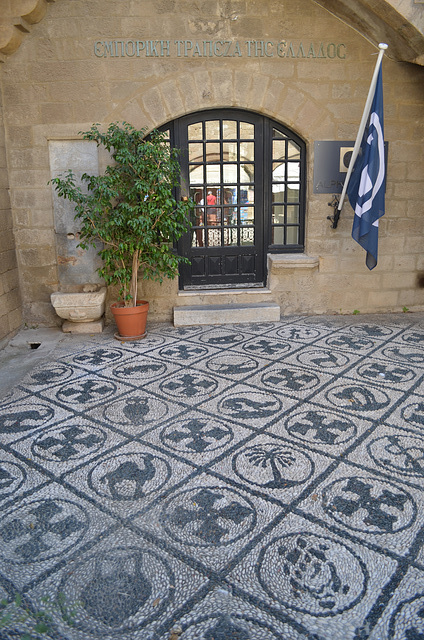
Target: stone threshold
[(218, 314), (193, 293)]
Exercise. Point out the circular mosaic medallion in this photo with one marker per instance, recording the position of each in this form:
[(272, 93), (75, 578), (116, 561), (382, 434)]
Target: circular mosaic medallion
[(353, 343), (402, 454), (255, 405), (258, 327), (135, 410), (98, 357), (198, 435), (414, 337), (267, 347), (412, 355), (320, 427), (220, 626), (24, 416), (51, 374), (313, 574), (373, 331), (117, 590), (232, 365), (208, 516), (273, 466), (324, 359), (298, 333), (85, 392), (189, 385), (358, 397), (384, 373), (414, 413), (129, 476), (140, 369), (221, 338), (289, 379), (68, 442), (42, 529), (183, 352), (12, 477), (369, 505)]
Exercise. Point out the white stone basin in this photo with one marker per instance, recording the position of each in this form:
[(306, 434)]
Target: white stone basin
[(79, 307)]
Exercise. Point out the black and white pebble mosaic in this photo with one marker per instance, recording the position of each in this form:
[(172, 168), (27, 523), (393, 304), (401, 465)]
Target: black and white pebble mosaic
[(246, 482)]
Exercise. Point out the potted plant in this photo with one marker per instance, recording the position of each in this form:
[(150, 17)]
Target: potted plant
[(132, 211)]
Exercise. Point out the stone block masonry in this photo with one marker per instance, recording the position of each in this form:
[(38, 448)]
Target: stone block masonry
[(10, 300)]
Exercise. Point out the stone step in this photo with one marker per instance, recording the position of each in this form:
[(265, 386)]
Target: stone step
[(226, 314)]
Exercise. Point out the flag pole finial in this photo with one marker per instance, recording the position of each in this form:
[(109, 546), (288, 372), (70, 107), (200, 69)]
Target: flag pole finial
[(383, 46)]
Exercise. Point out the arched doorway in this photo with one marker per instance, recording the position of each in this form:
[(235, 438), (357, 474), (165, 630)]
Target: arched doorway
[(246, 175)]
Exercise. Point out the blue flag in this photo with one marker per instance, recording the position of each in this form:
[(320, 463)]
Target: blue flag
[(366, 188)]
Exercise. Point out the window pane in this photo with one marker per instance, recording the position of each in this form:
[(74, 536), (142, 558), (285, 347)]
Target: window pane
[(213, 173), (278, 134), (195, 131), (292, 235), (230, 195), (198, 238), (229, 216), (293, 171), (230, 173), (213, 216), (278, 214), (212, 130), (247, 173), (197, 195), (278, 191), (198, 217), (278, 149), (195, 151), (247, 151), (229, 151), (293, 151), (213, 152), (293, 193), (278, 171), (196, 174), (293, 214), (277, 235), (230, 237), (247, 237), (248, 195), (247, 131), (247, 215), (229, 130)]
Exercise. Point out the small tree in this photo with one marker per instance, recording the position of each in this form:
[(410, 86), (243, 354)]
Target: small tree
[(131, 209)]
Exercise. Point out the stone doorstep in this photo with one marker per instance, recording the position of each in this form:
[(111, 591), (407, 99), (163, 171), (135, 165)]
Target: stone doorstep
[(226, 314)]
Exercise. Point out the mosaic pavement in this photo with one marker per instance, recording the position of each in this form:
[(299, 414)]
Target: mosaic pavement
[(249, 482)]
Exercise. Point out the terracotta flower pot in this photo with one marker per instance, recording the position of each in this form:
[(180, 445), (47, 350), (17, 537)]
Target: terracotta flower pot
[(131, 321)]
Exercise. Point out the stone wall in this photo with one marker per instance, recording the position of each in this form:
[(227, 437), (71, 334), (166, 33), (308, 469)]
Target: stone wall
[(10, 301), (55, 86)]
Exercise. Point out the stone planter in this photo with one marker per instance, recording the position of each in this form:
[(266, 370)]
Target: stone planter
[(82, 312)]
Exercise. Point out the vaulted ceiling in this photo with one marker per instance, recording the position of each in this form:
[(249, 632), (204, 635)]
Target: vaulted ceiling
[(400, 23)]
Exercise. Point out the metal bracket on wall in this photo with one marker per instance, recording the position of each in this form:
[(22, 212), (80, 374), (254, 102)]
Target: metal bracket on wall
[(334, 219)]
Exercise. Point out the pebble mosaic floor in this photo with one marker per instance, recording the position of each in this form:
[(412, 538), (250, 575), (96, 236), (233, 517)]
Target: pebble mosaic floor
[(242, 482)]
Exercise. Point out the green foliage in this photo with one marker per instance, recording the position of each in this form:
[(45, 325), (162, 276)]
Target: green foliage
[(130, 209), (25, 623), (356, 312), (405, 309)]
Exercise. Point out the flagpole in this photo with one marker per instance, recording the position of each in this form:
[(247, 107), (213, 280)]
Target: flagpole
[(382, 46)]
